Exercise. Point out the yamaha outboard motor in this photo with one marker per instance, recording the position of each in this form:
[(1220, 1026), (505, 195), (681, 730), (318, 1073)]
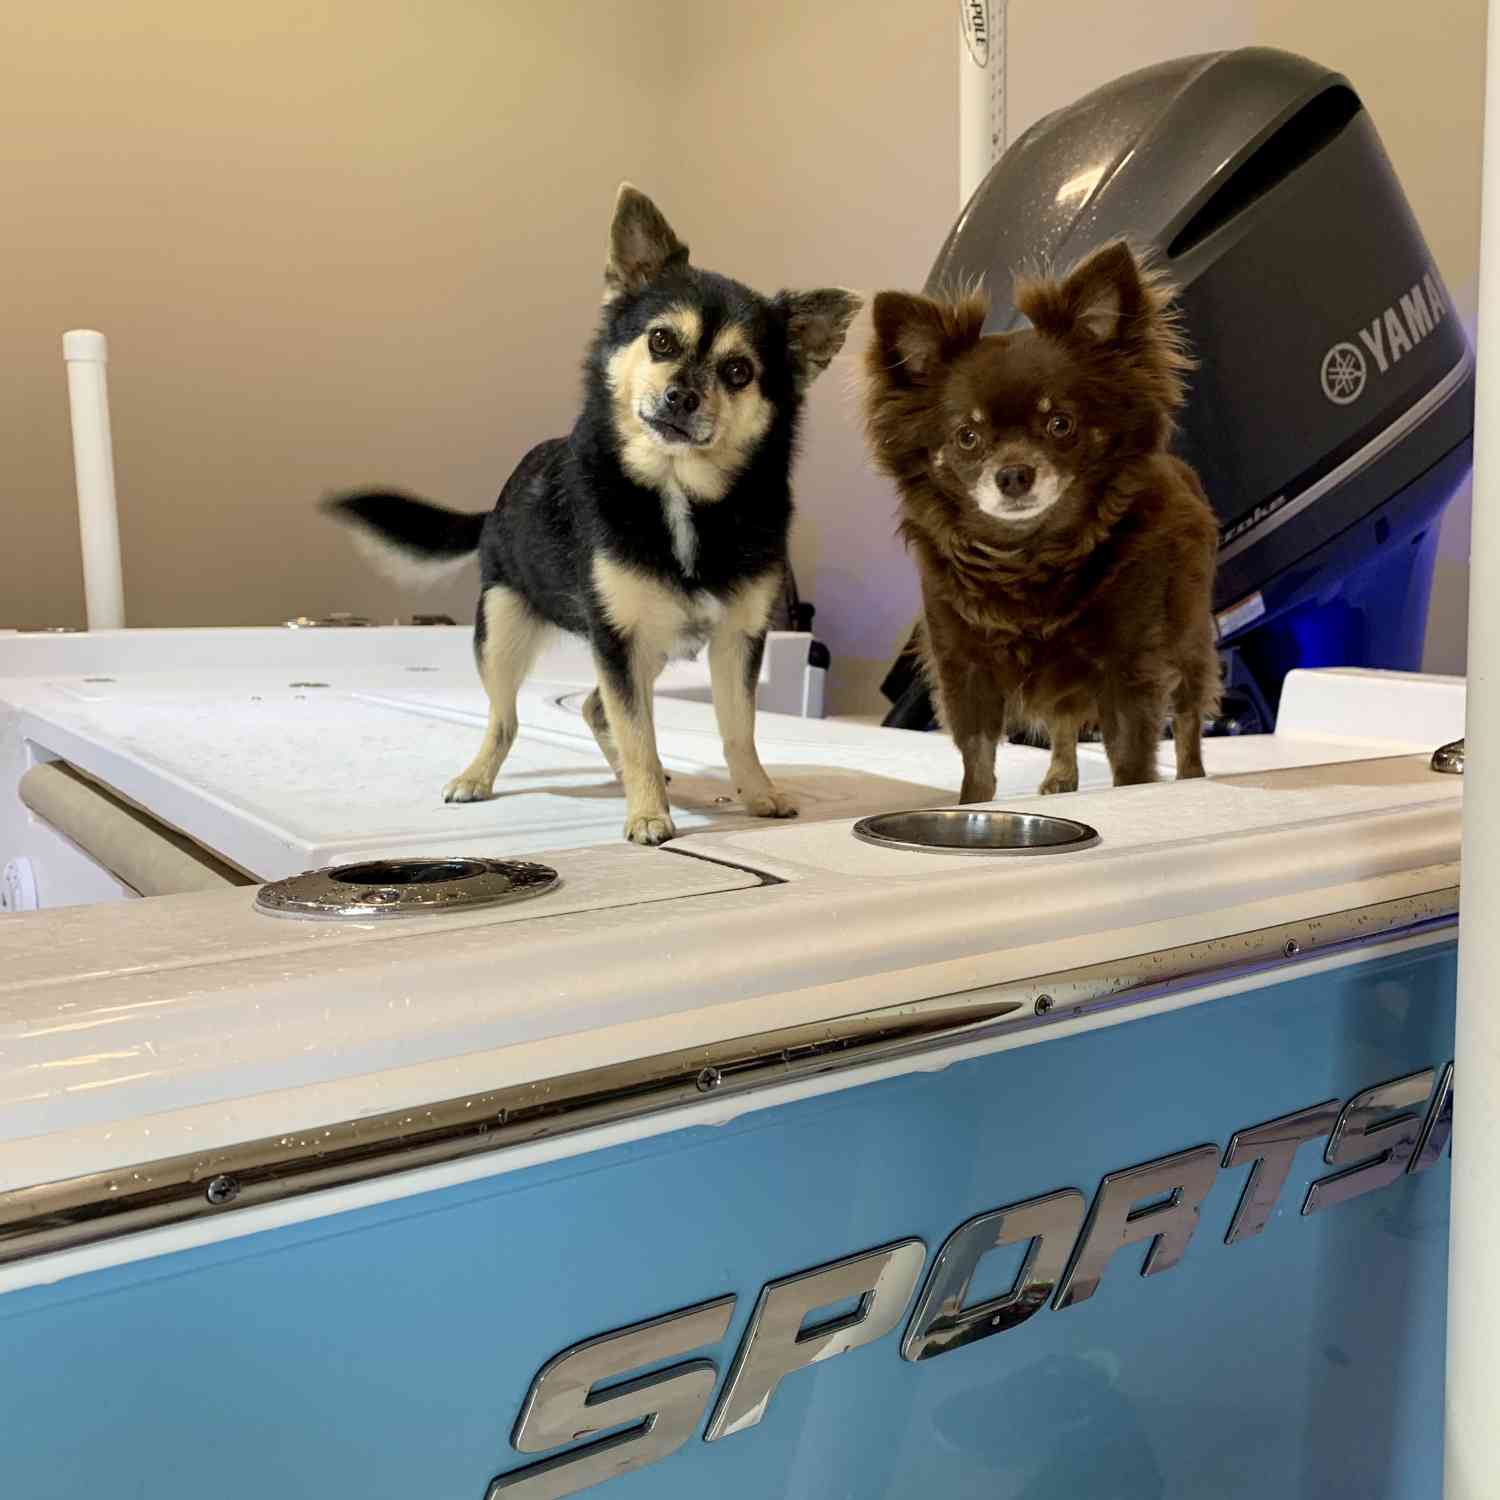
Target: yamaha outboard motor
[(1331, 414)]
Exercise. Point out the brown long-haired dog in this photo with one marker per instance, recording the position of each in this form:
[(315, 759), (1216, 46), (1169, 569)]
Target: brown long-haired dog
[(1066, 556)]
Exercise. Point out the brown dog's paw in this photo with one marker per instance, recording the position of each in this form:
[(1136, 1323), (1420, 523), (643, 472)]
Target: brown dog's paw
[(770, 803), (1051, 785), (649, 828)]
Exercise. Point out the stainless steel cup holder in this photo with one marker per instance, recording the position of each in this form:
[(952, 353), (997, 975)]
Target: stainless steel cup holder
[(964, 830), (385, 888), (1449, 758)]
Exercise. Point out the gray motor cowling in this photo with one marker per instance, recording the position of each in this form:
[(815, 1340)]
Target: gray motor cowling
[(1331, 414), (1257, 180)]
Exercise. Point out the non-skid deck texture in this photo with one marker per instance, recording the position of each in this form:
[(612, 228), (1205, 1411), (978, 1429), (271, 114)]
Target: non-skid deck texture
[(1212, 813), (279, 770), (278, 777)]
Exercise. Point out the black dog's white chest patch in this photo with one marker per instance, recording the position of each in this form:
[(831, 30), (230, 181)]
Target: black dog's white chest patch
[(677, 512)]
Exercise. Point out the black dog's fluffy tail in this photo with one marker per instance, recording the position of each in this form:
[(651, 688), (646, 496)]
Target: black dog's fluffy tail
[(409, 540)]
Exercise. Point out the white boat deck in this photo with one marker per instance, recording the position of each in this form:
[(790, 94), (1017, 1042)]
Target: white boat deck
[(283, 751), (136, 1030)]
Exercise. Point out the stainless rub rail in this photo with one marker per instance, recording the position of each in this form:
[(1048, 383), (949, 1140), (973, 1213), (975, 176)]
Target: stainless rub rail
[(54, 1216)]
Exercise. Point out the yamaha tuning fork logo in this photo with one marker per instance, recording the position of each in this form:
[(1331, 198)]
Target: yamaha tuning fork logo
[(1394, 332), (1343, 374)]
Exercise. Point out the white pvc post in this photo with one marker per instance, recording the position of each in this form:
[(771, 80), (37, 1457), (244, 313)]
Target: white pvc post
[(86, 354), (1471, 1456), (981, 91)]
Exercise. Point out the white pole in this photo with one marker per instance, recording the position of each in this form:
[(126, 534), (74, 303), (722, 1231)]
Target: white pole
[(1471, 1457), (86, 354), (981, 91)]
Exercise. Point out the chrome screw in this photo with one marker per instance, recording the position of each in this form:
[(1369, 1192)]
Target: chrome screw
[(709, 1079), (1043, 1004), (222, 1190)]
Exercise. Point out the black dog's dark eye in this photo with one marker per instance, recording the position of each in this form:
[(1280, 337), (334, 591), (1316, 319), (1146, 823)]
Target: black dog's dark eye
[(736, 373), (663, 342), (1059, 424), (967, 439)]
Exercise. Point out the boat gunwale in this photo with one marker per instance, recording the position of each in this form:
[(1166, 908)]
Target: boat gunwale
[(65, 1214)]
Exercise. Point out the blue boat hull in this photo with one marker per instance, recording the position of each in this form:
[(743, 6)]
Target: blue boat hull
[(386, 1352)]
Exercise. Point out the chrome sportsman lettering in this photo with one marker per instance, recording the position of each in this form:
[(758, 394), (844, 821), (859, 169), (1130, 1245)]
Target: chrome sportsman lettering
[(563, 1405), (597, 1423), (1183, 1179), (1364, 1119), (1438, 1130), (1048, 1226), (1271, 1147), (776, 1342)]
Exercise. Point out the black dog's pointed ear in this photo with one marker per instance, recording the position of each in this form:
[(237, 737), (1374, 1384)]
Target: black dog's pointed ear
[(816, 325), (641, 244), (913, 335)]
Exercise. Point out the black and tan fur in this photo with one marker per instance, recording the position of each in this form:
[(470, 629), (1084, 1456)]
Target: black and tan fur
[(658, 525), (1066, 555)]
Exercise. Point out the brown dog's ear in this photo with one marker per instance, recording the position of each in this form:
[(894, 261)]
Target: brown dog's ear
[(816, 325), (1106, 293), (641, 244), (1110, 301), (1104, 297), (914, 335)]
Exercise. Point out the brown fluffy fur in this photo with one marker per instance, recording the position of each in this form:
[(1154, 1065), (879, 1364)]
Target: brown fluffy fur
[(1083, 598)]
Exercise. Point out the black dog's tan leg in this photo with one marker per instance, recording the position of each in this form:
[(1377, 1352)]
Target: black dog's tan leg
[(598, 722), (595, 717), (734, 670), (1062, 770), (627, 673), (509, 634)]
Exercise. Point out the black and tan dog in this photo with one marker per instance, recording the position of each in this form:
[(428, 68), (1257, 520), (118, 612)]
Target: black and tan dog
[(658, 525)]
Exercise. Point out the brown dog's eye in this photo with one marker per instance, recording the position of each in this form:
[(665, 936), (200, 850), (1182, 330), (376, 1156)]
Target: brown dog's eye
[(663, 343), (1059, 425), (736, 373), (967, 439)]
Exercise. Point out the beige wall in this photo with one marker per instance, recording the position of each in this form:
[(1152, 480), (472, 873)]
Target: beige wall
[(351, 243), (354, 241), (809, 145)]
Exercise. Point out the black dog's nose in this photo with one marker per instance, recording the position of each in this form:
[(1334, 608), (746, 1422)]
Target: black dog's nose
[(680, 398), (1016, 480)]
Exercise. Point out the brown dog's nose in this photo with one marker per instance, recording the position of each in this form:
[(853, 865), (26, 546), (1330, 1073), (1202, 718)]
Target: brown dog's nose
[(680, 398), (1016, 480)]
